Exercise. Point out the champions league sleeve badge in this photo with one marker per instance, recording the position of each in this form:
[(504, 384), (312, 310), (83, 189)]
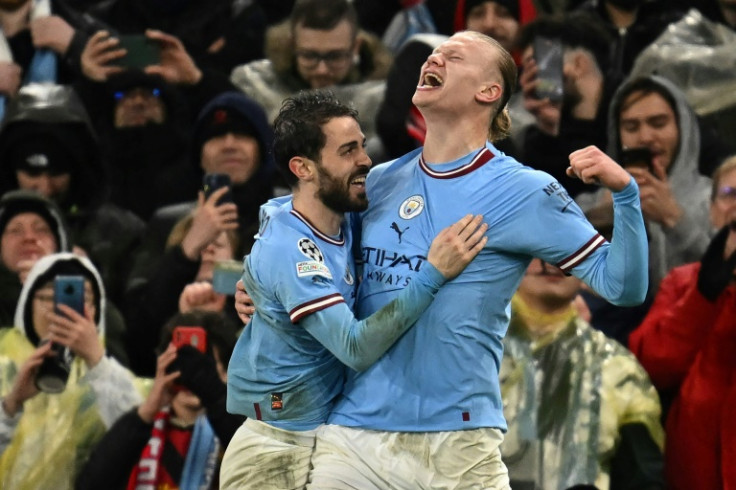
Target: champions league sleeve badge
[(315, 266)]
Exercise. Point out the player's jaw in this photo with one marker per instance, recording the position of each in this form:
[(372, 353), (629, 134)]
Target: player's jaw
[(346, 194)]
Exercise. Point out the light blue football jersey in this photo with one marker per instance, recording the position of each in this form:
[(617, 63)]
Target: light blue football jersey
[(443, 373), (288, 365), (299, 270)]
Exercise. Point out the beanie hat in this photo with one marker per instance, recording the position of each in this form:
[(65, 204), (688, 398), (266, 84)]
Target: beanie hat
[(14, 203), (511, 5), (54, 147), (38, 155), (233, 112)]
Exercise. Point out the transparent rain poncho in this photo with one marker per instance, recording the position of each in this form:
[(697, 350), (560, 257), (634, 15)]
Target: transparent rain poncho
[(566, 395)]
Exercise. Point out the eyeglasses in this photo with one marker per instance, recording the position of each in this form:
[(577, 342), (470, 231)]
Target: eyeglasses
[(143, 92), (337, 58), (726, 193)]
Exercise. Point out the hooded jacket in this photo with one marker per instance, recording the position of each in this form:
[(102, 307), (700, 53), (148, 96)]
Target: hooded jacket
[(271, 80), (44, 445), (11, 204), (687, 240), (107, 233)]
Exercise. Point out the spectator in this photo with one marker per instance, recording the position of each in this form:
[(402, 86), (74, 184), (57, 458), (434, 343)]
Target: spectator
[(652, 113), (219, 34), (47, 145), (633, 25), (31, 227), (579, 118), (320, 46), (687, 344), (181, 285), (143, 123), (580, 408), (35, 41), (45, 437), (184, 413), (230, 136)]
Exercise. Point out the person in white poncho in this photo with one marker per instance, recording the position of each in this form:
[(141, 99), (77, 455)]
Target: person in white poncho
[(45, 438)]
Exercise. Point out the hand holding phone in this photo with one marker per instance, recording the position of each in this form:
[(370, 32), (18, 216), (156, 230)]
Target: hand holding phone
[(213, 181), (69, 290), (637, 158), (194, 336), (140, 51)]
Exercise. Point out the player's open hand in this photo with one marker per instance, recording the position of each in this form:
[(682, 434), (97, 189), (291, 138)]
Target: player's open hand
[(454, 247)]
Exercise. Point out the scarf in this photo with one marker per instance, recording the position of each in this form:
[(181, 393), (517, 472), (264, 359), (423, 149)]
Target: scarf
[(43, 64), (199, 465)]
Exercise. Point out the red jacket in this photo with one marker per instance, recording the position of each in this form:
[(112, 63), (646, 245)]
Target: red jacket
[(688, 341)]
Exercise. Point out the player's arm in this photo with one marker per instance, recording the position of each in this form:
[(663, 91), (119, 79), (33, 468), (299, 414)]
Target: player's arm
[(619, 272), (358, 344)]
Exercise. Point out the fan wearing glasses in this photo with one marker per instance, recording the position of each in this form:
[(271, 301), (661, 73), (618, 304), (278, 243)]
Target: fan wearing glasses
[(319, 46)]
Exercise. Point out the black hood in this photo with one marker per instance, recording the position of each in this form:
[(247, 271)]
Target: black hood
[(56, 113)]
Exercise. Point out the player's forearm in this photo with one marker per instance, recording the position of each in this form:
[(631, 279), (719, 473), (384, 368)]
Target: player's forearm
[(622, 275), (359, 343)]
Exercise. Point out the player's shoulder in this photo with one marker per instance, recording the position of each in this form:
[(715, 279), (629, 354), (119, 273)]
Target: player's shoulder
[(518, 174)]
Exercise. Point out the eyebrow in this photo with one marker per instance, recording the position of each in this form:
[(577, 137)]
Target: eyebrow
[(349, 146)]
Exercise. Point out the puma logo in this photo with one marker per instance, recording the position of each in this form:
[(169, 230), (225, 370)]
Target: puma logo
[(398, 230)]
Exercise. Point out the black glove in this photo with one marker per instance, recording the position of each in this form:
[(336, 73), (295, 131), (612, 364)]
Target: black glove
[(198, 374), (715, 271)]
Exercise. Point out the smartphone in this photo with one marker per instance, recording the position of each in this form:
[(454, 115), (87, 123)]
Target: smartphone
[(194, 336), (226, 274), (637, 157), (212, 182), (141, 51), (548, 54), (69, 290)]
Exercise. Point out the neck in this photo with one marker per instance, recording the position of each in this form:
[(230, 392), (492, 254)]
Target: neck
[(591, 90), (542, 317), (14, 21), (621, 18), (306, 202), (449, 138)]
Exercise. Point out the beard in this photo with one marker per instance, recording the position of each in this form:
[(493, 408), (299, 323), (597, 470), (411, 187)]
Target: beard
[(335, 194)]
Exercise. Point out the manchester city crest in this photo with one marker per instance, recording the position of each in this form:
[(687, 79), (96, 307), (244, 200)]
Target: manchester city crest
[(411, 207)]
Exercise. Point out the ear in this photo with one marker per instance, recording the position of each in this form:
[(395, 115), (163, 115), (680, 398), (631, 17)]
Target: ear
[(302, 167), (578, 64), (358, 44), (489, 93)]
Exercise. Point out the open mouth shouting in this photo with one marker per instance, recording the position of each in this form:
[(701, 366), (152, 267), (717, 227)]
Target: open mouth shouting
[(430, 81)]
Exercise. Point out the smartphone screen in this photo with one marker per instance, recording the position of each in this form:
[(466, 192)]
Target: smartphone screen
[(141, 51), (225, 275), (194, 336), (548, 56), (69, 290), (212, 182), (637, 157)]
